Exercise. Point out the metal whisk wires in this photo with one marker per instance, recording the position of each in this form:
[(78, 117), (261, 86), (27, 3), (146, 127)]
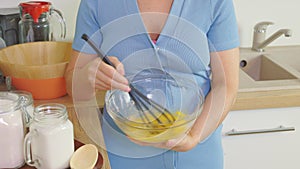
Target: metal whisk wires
[(143, 104)]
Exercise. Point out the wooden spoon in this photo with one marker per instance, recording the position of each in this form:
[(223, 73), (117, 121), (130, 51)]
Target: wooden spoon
[(84, 157)]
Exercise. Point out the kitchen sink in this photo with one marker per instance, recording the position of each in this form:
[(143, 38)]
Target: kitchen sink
[(291, 59), (262, 68)]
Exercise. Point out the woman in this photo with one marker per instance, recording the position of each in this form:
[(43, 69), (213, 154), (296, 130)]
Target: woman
[(201, 33)]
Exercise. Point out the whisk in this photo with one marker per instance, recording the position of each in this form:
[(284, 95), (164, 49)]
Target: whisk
[(141, 102)]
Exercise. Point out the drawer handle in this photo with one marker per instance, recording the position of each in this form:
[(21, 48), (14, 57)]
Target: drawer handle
[(235, 132)]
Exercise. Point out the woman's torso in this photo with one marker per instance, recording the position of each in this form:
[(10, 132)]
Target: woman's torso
[(181, 46)]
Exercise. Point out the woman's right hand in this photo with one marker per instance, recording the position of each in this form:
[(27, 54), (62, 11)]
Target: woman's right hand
[(105, 77), (86, 73)]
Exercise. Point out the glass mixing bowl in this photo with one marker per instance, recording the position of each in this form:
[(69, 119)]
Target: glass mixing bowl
[(181, 96)]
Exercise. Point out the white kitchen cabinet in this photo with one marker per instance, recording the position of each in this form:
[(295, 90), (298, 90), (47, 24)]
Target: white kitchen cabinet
[(274, 150)]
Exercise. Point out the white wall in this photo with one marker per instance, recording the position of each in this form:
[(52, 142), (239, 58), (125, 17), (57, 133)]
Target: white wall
[(285, 14)]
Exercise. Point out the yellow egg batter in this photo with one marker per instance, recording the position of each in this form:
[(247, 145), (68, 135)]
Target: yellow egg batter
[(154, 131)]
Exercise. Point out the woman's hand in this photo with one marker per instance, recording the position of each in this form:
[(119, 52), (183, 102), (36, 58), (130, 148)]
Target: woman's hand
[(105, 77), (184, 143), (86, 73), (181, 144)]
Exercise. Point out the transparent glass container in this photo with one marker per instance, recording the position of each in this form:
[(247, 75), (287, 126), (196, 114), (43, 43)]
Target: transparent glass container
[(11, 131), (137, 118), (38, 22), (50, 141)]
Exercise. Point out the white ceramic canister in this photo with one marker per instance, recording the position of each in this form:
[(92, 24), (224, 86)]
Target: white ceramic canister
[(11, 131), (50, 141)]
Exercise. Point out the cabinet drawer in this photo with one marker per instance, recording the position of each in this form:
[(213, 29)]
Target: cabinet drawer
[(258, 142)]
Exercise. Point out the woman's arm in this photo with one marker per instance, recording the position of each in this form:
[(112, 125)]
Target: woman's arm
[(73, 76), (224, 86)]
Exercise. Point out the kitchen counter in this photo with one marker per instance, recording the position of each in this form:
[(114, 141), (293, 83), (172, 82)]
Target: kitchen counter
[(269, 79), (267, 99), (252, 94), (245, 100)]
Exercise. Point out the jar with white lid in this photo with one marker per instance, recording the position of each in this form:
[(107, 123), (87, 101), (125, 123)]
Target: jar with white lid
[(50, 141), (11, 131)]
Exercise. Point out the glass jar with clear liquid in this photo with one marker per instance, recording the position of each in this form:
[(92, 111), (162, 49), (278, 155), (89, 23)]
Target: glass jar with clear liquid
[(39, 21)]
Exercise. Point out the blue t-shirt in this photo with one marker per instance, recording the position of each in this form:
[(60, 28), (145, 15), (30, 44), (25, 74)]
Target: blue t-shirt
[(193, 29)]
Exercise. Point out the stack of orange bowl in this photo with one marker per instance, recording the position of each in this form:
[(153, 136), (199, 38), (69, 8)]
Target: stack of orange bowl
[(37, 67)]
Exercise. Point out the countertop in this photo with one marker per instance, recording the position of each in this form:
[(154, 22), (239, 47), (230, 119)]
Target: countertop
[(251, 95), (269, 79), (267, 99), (245, 100)]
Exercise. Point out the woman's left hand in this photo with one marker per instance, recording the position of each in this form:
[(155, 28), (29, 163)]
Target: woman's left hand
[(182, 144)]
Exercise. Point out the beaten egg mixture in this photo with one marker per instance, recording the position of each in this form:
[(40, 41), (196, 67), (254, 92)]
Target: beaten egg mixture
[(155, 131)]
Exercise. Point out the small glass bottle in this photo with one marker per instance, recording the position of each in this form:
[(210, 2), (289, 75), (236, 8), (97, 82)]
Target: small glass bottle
[(11, 131), (50, 141)]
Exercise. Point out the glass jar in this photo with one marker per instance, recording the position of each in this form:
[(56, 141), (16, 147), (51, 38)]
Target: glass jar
[(11, 131), (50, 141), (38, 22)]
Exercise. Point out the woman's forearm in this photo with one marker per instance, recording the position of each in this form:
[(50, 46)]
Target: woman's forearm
[(76, 76), (216, 107), (78, 86), (224, 86)]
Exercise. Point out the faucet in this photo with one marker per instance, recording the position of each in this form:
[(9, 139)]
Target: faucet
[(259, 36)]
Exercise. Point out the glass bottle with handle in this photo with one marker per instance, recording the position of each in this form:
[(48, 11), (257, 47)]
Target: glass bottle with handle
[(50, 141), (38, 22)]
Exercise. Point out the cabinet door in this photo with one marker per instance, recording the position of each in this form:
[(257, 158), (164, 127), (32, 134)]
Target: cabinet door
[(270, 150)]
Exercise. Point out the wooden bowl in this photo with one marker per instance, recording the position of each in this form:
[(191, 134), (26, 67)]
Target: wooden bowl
[(37, 67)]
